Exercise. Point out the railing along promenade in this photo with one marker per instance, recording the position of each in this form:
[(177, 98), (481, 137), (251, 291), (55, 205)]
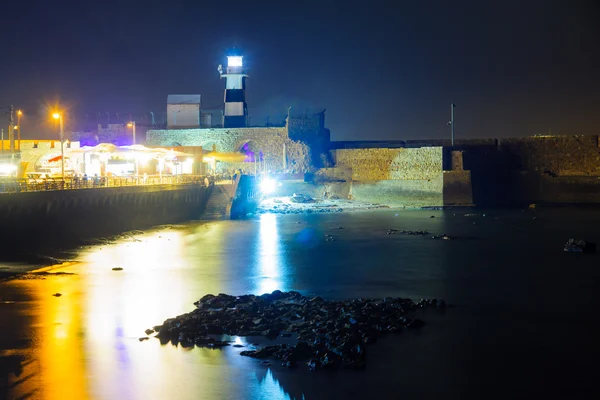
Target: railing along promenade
[(12, 185)]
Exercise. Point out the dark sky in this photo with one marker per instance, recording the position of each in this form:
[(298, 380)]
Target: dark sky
[(382, 69)]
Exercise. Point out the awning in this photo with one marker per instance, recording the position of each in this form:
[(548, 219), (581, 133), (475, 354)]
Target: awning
[(227, 157), (54, 159)]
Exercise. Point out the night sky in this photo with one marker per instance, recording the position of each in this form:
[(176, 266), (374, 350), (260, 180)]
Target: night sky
[(383, 70)]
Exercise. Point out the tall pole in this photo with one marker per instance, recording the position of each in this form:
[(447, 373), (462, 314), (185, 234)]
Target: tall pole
[(11, 129), (133, 122), (62, 150), (19, 113), (452, 121)]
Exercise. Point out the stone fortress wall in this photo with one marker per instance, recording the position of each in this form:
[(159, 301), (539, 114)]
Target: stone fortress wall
[(574, 155), (397, 176), (268, 140), (423, 163), (544, 168)]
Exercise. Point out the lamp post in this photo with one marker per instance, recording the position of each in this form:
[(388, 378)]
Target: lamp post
[(452, 122), (59, 117), (19, 113), (131, 124)]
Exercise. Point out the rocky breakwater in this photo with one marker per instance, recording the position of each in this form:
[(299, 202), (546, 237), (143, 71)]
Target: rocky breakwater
[(328, 334)]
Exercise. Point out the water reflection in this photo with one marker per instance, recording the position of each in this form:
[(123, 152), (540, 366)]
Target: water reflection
[(269, 262), (57, 367), (268, 387), (84, 344)]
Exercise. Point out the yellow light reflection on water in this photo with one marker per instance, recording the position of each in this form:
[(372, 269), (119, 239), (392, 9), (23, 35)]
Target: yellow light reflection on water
[(87, 344), (121, 305), (56, 369), (269, 263)]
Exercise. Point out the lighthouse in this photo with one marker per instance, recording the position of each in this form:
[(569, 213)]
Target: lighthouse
[(236, 110)]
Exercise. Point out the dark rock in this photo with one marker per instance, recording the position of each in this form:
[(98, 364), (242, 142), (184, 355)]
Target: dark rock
[(270, 333), (414, 323), (205, 298), (57, 294), (579, 246), (414, 233), (217, 343), (143, 338), (332, 334), (276, 295), (314, 365), (330, 361), (149, 331), (117, 269)]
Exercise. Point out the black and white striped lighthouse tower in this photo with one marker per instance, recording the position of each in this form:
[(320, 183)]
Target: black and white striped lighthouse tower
[(236, 110)]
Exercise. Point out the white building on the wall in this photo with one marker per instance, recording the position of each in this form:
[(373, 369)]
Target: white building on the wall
[(183, 111)]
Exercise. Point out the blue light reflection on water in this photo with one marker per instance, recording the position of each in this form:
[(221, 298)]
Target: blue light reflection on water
[(269, 256)]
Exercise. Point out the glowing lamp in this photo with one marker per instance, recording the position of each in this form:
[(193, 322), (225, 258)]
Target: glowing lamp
[(268, 185), (19, 112), (234, 61), (7, 168), (56, 115)]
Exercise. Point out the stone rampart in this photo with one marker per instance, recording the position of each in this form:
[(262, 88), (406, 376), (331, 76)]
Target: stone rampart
[(423, 163), (400, 193), (458, 189), (575, 155), (391, 176), (269, 141)]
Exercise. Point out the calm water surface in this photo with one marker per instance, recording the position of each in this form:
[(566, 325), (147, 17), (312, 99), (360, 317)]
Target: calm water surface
[(525, 321)]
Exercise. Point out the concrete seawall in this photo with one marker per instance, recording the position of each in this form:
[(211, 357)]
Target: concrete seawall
[(54, 218)]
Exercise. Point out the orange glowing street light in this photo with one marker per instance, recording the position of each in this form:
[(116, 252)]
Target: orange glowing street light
[(131, 124), (59, 117), (19, 113)]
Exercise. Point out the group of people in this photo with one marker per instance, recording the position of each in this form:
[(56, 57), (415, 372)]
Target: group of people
[(83, 180)]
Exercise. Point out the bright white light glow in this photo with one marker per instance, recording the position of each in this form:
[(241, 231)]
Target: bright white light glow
[(189, 160), (234, 61), (269, 263), (7, 168), (268, 185)]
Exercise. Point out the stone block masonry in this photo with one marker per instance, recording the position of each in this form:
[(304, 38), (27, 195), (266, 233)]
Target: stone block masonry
[(400, 193), (458, 189), (393, 176), (64, 217), (270, 141), (423, 163), (575, 155)]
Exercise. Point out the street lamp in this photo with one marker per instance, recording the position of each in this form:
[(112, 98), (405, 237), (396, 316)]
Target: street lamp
[(59, 117), (131, 124), (19, 113)]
